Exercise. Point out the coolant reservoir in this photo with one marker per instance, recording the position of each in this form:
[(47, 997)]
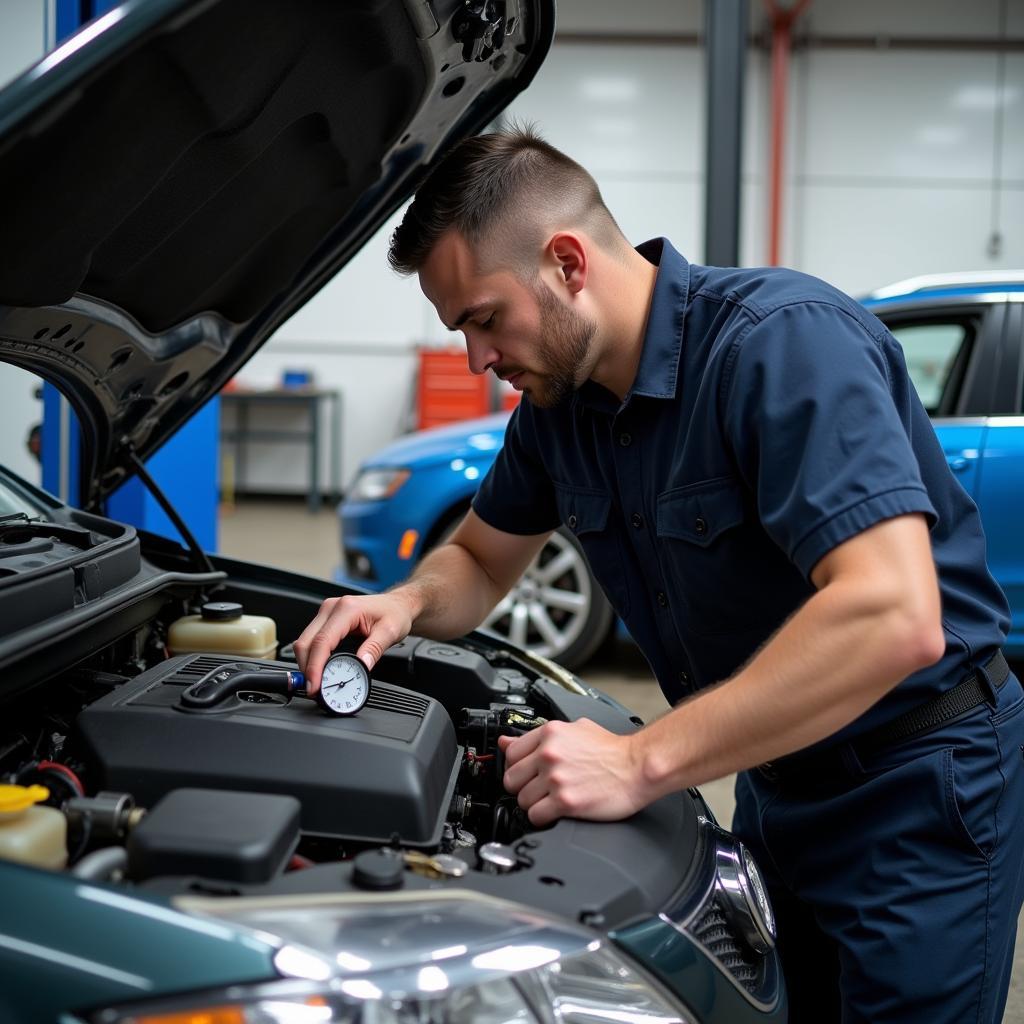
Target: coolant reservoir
[(30, 834), (222, 628)]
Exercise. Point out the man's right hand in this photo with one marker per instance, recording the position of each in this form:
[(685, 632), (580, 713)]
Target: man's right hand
[(382, 619), (449, 593)]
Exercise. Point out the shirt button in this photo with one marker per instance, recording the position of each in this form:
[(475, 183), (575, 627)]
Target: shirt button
[(572, 521), (662, 599), (701, 525), (637, 520), (684, 678), (625, 440)]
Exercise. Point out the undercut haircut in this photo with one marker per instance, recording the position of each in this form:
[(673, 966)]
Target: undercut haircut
[(504, 192)]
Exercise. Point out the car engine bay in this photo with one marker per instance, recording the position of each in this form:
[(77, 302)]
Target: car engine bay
[(262, 792)]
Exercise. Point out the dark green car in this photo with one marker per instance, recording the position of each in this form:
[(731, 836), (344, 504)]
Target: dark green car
[(181, 841)]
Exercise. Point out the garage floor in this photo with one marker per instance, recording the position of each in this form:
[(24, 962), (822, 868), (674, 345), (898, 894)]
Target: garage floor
[(284, 534)]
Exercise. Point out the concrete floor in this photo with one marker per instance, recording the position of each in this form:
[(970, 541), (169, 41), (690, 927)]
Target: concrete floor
[(284, 534)]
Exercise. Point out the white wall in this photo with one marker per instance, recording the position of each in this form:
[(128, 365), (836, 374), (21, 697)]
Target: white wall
[(22, 31), (22, 35), (900, 168)]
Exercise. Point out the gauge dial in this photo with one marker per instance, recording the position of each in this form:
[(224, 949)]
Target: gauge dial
[(344, 685)]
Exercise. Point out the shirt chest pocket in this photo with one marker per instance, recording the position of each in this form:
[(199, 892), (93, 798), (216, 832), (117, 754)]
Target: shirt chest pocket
[(716, 557), (590, 517)]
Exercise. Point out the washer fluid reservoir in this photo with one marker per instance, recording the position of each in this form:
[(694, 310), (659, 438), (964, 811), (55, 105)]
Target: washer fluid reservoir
[(30, 834), (222, 628)]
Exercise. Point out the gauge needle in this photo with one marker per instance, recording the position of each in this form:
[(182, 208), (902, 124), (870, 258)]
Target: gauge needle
[(334, 686)]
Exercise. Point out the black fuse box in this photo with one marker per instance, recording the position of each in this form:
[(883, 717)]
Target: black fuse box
[(214, 833)]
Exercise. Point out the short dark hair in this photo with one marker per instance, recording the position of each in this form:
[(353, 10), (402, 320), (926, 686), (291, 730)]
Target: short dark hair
[(483, 182)]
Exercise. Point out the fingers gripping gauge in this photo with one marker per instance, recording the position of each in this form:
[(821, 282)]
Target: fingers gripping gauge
[(344, 685)]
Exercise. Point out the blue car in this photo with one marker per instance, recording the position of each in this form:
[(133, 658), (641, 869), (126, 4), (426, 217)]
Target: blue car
[(963, 335)]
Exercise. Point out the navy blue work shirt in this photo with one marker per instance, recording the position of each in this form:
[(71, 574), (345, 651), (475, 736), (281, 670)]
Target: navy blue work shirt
[(772, 418)]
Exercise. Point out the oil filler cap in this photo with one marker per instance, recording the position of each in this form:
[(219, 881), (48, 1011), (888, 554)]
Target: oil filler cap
[(221, 611), (378, 870)]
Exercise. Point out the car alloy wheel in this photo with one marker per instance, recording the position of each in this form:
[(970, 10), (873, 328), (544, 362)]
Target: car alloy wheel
[(556, 608)]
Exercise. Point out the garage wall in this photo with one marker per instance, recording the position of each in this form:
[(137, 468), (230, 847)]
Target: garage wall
[(909, 160), (22, 41)]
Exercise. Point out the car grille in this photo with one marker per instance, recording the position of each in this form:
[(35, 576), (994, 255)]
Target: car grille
[(714, 932)]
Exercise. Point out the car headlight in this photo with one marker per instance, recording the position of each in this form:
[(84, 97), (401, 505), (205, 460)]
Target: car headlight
[(377, 484), (401, 958)]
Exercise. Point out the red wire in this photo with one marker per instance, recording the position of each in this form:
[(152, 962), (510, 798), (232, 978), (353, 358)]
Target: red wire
[(298, 861), (63, 769), (482, 757)]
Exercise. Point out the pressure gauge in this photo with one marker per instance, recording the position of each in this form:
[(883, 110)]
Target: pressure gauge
[(344, 685)]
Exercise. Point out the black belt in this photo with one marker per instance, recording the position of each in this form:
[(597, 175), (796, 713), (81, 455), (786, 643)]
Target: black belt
[(977, 688)]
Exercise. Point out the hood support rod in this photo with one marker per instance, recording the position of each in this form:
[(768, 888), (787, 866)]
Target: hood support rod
[(153, 487)]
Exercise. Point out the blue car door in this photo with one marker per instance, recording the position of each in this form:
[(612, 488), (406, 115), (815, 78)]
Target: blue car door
[(963, 441), (938, 346), (965, 360), (1000, 487), (999, 497)]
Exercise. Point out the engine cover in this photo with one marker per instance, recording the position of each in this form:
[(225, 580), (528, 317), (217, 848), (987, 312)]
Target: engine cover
[(390, 769)]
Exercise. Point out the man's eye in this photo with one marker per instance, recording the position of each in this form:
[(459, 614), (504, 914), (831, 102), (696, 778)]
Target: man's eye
[(489, 322)]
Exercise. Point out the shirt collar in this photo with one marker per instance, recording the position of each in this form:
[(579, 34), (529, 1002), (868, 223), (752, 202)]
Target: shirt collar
[(658, 371)]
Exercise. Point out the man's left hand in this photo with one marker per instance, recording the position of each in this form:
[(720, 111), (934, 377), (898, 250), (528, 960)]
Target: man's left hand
[(573, 770)]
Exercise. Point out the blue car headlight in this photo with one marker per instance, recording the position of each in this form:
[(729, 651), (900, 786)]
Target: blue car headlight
[(377, 484), (415, 957)]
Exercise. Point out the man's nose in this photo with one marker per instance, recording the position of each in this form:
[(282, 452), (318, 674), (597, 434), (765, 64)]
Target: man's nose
[(482, 356)]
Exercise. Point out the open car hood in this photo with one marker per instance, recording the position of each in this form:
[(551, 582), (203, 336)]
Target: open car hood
[(181, 175)]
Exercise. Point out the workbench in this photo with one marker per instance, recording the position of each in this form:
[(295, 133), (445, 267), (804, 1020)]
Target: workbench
[(309, 400)]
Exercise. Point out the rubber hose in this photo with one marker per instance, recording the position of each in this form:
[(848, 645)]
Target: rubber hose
[(99, 865)]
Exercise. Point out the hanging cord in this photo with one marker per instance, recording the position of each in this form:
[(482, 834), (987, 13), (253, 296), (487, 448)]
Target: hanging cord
[(995, 238), (200, 555)]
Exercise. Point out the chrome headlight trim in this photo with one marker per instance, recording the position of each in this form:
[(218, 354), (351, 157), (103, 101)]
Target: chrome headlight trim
[(744, 896), (721, 850)]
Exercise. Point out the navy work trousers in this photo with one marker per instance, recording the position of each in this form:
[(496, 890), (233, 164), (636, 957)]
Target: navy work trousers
[(898, 882)]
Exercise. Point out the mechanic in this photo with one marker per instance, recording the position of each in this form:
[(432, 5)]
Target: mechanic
[(745, 462)]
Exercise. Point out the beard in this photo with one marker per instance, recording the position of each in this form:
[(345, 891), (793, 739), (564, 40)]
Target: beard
[(563, 351)]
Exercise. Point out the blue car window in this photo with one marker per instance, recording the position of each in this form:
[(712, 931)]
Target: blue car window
[(931, 351)]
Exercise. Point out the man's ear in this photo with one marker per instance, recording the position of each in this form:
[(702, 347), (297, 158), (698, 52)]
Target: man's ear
[(568, 254)]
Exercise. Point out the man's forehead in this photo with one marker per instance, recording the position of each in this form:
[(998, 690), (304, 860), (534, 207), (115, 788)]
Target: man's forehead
[(448, 270), (453, 280)]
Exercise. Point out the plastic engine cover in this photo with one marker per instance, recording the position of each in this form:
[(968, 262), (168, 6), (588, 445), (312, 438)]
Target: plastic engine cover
[(390, 769)]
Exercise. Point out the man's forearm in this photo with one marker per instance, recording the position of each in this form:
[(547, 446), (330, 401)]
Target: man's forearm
[(828, 664), (448, 594)]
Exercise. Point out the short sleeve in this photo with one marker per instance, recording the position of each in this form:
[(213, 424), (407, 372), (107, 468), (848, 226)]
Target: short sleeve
[(818, 436), (517, 495)]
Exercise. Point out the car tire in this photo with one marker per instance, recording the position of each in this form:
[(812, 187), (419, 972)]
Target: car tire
[(556, 608)]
